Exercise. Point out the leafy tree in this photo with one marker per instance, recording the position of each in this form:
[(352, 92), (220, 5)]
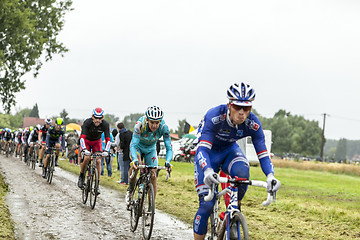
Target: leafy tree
[(24, 112), (340, 153), (35, 111), (130, 120), (111, 119), (180, 129), (64, 115), (28, 32)]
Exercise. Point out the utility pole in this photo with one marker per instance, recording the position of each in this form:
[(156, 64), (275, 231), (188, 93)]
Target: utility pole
[(323, 139)]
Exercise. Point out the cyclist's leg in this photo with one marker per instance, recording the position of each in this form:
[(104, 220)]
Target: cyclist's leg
[(236, 164), (205, 208), (132, 168), (150, 158), (42, 153), (97, 147), (31, 148)]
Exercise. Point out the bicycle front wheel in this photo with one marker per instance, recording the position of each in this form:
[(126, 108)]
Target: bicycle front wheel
[(148, 211), (135, 206), (85, 190), (50, 170), (237, 229), (94, 185)]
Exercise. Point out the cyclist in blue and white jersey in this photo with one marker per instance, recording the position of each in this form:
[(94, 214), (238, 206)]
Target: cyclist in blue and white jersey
[(147, 131), (217, 148)]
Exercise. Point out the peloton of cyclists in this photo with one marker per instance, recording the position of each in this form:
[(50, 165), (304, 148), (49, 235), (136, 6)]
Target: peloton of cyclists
[(55, 134), (90, 140), (147, 131), (217, 148), (42, 139)]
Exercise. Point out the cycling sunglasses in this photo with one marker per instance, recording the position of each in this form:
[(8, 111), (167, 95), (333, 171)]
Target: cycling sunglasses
[(238, 108)]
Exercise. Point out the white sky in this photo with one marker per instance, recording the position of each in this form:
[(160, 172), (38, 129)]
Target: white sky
[(301, 56)]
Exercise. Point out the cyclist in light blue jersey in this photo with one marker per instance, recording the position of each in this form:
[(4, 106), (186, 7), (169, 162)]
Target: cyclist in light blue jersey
[(147, 131)]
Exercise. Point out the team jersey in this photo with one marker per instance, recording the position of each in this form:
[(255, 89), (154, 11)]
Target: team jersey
[(218, 133), (92, 132), (54, 135), (33, 137), (43, 130), (144, 138)]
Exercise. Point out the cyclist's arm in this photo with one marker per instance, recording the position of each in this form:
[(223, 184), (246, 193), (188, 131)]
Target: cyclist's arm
[(167, 142), (205, 143), (30, 137), (47, 139), (135, 141), (39, 136), (258, 140), (133, 146), (63, 140)]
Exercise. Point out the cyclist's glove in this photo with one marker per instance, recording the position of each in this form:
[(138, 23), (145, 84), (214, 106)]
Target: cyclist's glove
[(87, 152), (167, 164), (210, 177), (135, 162), (273, 184)]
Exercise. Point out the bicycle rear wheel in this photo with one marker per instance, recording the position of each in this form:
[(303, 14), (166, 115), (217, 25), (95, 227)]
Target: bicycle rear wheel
[(148, 211), (238, 228), (94, 185), (85, 190), (50, 170), (135, 206)]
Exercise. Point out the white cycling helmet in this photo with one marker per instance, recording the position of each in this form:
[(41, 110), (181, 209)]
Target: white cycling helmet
[(241, 94), (154, 113), (48, 121)]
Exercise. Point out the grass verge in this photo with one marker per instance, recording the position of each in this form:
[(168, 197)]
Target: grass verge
[(6, 224), (310, 204)]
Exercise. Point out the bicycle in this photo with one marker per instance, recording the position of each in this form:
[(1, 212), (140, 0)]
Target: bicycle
[(91, 185), (34, 156), (51, 165), (7, 148), (144, 204), (234, 225)]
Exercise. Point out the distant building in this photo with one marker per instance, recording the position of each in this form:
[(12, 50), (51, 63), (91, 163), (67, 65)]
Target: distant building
[(174, 136), (32, 121)]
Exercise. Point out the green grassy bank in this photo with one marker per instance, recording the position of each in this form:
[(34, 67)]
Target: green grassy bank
[(6, 225), (310, 204)]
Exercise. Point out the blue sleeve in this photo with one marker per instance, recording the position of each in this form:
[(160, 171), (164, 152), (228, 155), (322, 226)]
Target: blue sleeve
[(258, 140), (47, 139), (135, 140), (205, 143), (167, 141), (133, 146)]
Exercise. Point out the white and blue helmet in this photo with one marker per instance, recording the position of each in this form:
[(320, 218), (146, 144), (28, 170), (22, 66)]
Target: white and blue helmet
[(241, 94), (154, 113)]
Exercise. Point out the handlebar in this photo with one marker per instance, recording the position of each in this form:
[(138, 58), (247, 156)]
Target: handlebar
[(157, 167), (257, 183)]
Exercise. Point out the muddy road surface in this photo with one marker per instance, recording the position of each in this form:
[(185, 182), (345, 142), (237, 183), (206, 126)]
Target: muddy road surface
[(55, 211)]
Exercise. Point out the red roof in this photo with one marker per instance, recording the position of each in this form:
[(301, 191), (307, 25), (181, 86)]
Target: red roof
[(32, 121), (174, 136)]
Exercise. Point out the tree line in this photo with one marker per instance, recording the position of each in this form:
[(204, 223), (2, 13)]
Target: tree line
[(290, 133)]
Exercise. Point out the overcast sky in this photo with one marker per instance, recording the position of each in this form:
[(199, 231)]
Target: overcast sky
[(301, 56)]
